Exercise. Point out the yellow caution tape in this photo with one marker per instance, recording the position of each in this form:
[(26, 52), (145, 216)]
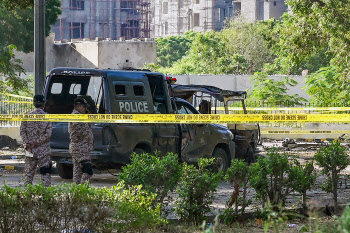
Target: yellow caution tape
[(180, 118), (13, 101), (305, 131), (19, 96), (284, 108), (9, 167)]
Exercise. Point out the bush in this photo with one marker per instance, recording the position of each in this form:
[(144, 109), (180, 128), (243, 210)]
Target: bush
[(76, 208), (238, 175), (305, 177), (196, 191), (155, 174), (273, 177), (332, 160), (343, 222)]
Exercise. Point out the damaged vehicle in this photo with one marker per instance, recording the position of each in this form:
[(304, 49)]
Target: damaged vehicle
[(127, 92), (213, 100)]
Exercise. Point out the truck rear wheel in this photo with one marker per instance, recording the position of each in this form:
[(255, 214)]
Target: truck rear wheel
[(65, 171), (139, 151), (221, 160)]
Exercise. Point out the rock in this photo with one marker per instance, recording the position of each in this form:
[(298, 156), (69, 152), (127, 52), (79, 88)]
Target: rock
[(6, 141)]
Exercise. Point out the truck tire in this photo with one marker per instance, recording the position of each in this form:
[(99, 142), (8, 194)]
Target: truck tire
[(221, 160), (65, 171), (139, 151), (250, 155)]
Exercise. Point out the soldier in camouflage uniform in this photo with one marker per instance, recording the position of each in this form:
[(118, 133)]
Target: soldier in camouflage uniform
[(81, 144), (36, 138)]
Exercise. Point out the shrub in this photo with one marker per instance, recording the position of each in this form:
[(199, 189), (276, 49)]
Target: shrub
[(196, 191), (273, 177), (332, 160), (76, 208), (343, 222), (305, 178), (238, 175), (155, 174)]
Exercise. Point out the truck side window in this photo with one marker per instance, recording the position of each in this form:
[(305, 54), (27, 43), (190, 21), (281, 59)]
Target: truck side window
[(120, 89), (56, 88), (139, 90), (75, 89), (182, 109)]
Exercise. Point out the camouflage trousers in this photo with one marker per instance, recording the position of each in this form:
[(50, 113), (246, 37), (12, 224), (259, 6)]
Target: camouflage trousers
[(78, 176), (30, 167)]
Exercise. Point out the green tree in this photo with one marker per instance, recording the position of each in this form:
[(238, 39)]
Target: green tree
[(328, 86), (173, 48), (270, 90), (332, 160), (286, 38), (321, 25), (17, 33), (209, 55), (247, 39)]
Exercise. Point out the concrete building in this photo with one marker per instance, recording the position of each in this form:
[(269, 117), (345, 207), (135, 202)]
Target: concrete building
[(155, 18), (175, 17), (101, 54), (103, 18)]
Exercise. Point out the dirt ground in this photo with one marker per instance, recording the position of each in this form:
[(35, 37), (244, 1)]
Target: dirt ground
[(317, 198)]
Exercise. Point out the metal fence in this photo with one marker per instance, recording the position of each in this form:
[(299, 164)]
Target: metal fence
[(14, 104)]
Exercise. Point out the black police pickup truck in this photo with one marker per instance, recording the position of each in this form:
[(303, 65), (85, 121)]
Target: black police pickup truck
[(126, 92)]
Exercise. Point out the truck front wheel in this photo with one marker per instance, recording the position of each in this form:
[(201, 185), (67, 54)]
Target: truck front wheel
[(65, 171), (221, 160)]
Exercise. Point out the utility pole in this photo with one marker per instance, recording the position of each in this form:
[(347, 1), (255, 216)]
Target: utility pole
[(39, 46)]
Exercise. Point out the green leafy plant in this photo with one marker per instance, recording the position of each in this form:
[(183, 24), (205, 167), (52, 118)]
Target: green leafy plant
[(273, 177), (275, 217), (328, 86), (270, 90), (77, 208), (332, 160), (238, 175), (343, 222), (305, 178), (159, 175), (196, 191), (173, 48)]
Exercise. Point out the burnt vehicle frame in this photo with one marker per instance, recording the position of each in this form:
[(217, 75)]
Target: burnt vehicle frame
[(126, 92), (246, 136)]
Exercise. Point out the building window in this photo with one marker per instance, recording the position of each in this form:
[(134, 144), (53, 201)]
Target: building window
[(165, 7), (275, 3), (166, 28), (76, 30), (77, 4), (196, 19), (197, 1)]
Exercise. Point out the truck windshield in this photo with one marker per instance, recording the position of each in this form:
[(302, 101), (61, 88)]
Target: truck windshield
[(61, 91)]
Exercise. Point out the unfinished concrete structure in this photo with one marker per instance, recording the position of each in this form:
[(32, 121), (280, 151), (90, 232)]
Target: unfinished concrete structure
[(103, 18), (175, 17), (101, 54)]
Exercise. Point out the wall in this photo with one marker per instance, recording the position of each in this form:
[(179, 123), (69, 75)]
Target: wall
[(236, 82), (28, 58), (126, 53), (93, 54)]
